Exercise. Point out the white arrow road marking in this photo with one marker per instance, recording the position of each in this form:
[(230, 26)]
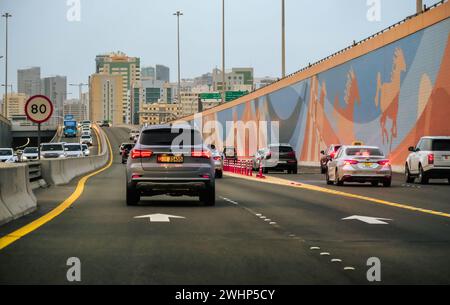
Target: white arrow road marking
[(369, 220), (159, 217)]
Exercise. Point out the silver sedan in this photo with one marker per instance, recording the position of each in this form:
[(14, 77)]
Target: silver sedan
[(359, 164)]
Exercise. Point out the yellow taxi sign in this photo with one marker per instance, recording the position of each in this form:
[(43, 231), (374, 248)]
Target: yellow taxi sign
[(358, 143)]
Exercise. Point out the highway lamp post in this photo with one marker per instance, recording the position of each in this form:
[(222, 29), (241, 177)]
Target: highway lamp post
[(178, 14), (283, 39), (6, 16), (6, 100), (223, 53)]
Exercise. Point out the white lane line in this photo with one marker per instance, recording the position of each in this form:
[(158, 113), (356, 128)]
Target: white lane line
[(273, 223), (229, 201), (336, 260), (349, 268), (325, 254), (314, 248)]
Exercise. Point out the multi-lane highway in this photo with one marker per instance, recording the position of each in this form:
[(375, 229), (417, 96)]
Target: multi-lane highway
[(258, 233)]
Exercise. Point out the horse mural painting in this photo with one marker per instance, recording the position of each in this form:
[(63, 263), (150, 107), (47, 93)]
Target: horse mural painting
[(387, 98), (344, 116)]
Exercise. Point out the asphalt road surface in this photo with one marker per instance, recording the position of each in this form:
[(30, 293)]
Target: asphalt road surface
[(258, 233)]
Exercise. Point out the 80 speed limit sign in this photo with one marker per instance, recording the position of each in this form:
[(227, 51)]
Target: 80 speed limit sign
[(38, 109)]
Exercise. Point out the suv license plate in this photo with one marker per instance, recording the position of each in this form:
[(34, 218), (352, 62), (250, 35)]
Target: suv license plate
[(170, 159)]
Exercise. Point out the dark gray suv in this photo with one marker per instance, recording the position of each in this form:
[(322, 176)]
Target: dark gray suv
[(170, 160)]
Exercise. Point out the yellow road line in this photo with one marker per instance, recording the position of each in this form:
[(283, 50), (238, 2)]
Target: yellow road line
[(14, 236), (301, 185)]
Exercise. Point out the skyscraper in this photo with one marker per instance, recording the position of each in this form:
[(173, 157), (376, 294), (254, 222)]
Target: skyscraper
[(130, 71), (55, 88), (29, 81), (148, 73), (105, 98), (162, 73)]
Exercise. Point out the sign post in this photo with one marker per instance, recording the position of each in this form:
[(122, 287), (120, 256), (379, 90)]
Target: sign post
[(39, 109)]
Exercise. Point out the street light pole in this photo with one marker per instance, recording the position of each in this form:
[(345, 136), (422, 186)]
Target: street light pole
[(223, 53), (283, 40), (178, 14), (6, 16)]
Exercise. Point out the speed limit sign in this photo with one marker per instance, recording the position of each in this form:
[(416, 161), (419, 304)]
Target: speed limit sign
[(38, 109)]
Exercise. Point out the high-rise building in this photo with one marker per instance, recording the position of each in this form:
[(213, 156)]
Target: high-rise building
[(55, 88), (130, 71), (29, 81), (189, 103), (158, 113), (75, 108), (15, 105), (238, 79), (162, 73), (148, 73), (106, 98)]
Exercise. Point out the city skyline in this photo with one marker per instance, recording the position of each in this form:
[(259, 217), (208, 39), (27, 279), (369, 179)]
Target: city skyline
[(84, 39)]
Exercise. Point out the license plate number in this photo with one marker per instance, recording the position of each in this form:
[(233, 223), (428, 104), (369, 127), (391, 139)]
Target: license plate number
[(447, 158), (170, 159), (368, 165)]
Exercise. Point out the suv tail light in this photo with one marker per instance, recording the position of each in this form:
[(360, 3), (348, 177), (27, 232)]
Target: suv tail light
[(350, 162), (384, 162), (431, 159), (291, 154), (141, 153), (201, 154), (217, 158)]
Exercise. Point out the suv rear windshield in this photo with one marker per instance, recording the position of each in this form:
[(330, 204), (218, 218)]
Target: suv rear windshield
[(364, 152), (166, 137), (441, 145), (281, 149), (52, 147)]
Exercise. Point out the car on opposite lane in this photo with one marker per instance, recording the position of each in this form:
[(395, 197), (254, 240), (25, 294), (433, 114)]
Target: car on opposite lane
[(86, 150), (359, 164), (73, 150), (430, 159), (6, 155), (52, 151), (31, 153), (159, 164)]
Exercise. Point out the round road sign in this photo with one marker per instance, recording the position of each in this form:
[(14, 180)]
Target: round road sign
[(38, 109)]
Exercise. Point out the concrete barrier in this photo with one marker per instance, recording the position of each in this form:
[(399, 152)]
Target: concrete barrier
[(59, 172), (16, 196)]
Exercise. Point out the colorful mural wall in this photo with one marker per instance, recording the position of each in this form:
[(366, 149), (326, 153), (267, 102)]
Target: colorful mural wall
[(389, 98)]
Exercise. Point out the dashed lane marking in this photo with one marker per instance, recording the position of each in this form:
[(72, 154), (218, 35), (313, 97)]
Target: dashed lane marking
[(283, 182)]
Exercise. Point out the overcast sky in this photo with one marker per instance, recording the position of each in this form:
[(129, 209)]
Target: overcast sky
[(41, 35)]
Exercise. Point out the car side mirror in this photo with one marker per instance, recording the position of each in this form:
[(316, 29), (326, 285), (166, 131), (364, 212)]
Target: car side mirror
[(411, 149), (322, 152)]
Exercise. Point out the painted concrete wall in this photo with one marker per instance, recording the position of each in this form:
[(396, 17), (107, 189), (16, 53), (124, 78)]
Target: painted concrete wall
[(387, 92)]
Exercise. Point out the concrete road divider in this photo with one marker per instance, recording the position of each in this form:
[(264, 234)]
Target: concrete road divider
[(62, 171), (16, 196)]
